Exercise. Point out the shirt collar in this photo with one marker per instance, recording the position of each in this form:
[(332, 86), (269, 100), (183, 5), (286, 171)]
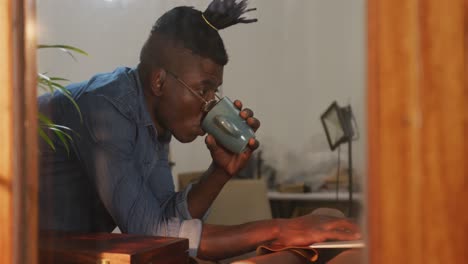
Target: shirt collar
[(145, 116)]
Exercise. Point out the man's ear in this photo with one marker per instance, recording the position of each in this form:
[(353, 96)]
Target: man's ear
[(158, 77)]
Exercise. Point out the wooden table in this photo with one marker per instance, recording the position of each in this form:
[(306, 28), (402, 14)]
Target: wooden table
[(351, 256), (109, 248), (286, 205)]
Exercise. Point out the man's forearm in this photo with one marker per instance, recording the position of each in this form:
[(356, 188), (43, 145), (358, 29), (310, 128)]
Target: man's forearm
[(220, 242), (202, 194)]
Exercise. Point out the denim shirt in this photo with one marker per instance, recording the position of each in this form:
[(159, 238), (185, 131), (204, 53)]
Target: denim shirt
[(117, 170)]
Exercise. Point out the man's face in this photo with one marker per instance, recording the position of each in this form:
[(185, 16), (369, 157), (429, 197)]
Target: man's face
[(179, 110)]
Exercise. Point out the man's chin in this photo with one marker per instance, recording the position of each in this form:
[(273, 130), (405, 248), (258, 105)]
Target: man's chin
[(190, 134), (186, 138)]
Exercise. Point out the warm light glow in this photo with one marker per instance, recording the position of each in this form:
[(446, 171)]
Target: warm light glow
[(30, 30)]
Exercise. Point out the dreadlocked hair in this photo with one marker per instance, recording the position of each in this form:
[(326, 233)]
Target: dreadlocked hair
[(225, 13), (196, 30)]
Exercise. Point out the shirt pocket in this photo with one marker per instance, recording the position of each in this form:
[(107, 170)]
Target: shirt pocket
[(160, 180), (147, 154)]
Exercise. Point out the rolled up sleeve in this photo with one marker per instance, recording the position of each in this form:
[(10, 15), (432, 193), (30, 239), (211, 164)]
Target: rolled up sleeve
[(183, 205), (106, 148)]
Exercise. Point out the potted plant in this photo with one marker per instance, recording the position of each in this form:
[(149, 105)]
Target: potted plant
[(54, 84)]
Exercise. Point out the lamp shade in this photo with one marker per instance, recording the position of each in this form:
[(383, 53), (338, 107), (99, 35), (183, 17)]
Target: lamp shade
[(336, 122)]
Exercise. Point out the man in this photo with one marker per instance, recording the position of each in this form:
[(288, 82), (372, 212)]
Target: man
[(118, 172)]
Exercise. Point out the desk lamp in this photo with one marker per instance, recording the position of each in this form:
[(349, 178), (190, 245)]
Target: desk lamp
[(338, 124)]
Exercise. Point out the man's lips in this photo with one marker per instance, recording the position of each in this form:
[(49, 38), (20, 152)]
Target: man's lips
[(200, 131)]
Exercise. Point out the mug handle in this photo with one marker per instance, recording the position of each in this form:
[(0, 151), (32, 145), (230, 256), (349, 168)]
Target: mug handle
[(227, 126)]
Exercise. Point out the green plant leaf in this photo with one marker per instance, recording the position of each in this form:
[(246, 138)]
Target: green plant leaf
[(65, 134), (63, 137), (61, 127), (46, 138), (44, 82), (54, 86), (75, 105), (44, 119), (59, 131), (60, 87), (49, 124), (59, 79), (65, 48), (46, 87), (43, 76), (65, 128)]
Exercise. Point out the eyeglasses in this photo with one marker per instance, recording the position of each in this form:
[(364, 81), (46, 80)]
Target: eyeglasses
[(207, 104)]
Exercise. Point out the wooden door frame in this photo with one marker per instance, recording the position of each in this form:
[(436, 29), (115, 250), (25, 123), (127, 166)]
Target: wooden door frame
[(18, 133), (417, 145)]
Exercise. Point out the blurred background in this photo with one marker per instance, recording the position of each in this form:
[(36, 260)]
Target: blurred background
[(288, 67)]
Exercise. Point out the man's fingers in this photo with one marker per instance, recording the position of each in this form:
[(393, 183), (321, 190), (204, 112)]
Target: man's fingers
[(340, 235), (254, 123), (253, 144), (238, 104), (246, 113), (210, 142), (342, 224)]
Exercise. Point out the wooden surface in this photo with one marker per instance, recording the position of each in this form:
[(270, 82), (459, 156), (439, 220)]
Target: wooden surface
[(352, 256), (313, 196), (6, 134), (18, 133), (113, 248), (25, 153), (280, 257), (417, 107)]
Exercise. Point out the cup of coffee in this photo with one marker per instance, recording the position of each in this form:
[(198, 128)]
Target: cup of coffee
[(227, 126)]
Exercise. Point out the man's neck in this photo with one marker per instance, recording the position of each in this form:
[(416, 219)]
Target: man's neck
[(150, 102)]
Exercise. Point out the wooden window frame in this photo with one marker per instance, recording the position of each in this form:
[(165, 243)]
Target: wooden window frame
[(18, 133), (417, 88), (418, 133)]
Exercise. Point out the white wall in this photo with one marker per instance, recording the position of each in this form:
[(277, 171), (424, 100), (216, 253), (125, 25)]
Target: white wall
[(288, 67)]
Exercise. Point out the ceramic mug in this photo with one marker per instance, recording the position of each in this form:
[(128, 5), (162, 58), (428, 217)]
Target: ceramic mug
[(227, 126)]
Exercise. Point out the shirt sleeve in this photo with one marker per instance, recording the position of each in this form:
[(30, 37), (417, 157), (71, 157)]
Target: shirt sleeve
[(106, 146), (179, 203)]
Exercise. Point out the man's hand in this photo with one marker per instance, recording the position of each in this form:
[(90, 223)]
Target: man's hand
[(220, 242), (229, 162), (312, 228), (225, 165)]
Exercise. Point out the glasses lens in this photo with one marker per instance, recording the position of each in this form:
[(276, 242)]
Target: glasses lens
[(209, 105)]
